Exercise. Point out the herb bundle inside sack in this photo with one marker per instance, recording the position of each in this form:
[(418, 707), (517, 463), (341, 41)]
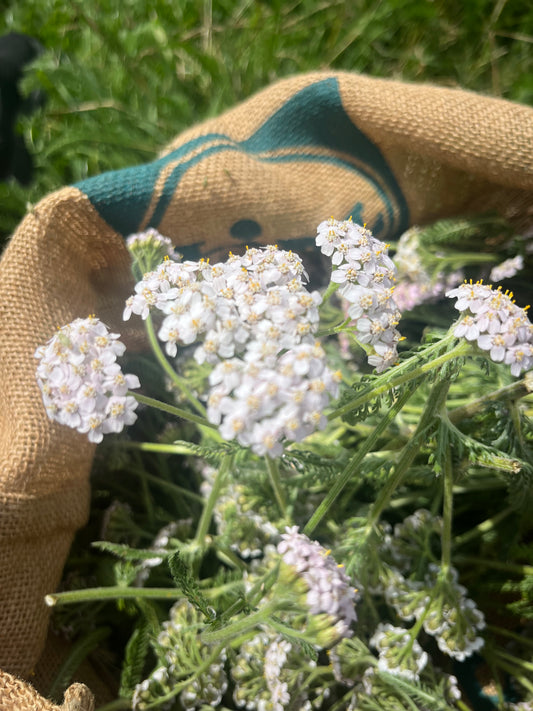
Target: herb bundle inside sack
[(329, 498)]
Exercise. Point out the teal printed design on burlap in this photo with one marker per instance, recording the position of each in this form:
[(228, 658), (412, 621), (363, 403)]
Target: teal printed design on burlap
[(312, 126)]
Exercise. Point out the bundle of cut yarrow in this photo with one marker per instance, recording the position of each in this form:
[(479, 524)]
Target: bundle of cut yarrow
[(321, 500)]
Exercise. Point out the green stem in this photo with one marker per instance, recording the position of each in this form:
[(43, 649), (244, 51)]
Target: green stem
[(214, 495), (174, 489), (398, 376), (483, 527), (415, 629), (112, 592), (496, 564), (409, 452), (331, 289), (275, 481), (514, 391), (235, 629), (525, 641), (341, 326), (447, 512), (171, 409), (177, 447), (289, 631), (169, 370), (510, 664), (355, 462)]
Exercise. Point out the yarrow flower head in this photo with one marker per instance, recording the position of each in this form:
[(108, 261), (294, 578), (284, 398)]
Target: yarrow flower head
[(161, 287), (366, 276), (259, 296), (264, 399), (267, 675), (328, 588), (492, 320), (507, 269), (254, 321), (176, 645), (149, 247), (399, 654), (82, 384), (452, 618)]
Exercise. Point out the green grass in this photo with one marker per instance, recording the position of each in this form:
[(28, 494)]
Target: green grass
[(123, 77)]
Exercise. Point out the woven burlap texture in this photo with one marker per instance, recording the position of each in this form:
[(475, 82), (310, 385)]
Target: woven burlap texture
[(17, 695), (270, 169)]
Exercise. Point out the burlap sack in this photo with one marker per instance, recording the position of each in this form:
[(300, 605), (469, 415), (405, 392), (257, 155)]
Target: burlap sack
[(268, 171), (17, 695)]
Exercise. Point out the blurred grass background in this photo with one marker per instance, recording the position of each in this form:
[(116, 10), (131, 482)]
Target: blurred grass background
[(123, 77)]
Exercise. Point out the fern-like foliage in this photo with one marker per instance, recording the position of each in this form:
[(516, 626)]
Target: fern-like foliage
[(135, 657), (188, 584)]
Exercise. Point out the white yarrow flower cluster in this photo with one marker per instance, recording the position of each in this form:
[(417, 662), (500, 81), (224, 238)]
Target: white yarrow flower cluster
[(399, 654), (275, 659), (366, 275), (178, 648), (173, 289), (453, 619), (82, 384), (507, 269), (495, 323), (329, 588), (250, 533), (258, 297), (246, 311), (264, 399)]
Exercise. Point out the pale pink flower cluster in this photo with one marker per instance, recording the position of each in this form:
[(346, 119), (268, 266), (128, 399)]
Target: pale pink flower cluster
[(329, 588), (82, 384), (173, 289), (495, 323), (415, 285), (366, 274)]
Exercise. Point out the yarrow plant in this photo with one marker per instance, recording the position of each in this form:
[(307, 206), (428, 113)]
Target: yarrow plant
[(329, 590), (366, 275), (302, 546), (82, 384), (256, 321), (495, 323)]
